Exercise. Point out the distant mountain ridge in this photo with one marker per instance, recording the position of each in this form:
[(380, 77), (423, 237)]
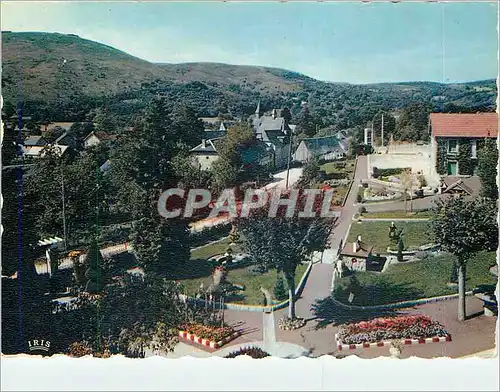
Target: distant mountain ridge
[(67, 76)]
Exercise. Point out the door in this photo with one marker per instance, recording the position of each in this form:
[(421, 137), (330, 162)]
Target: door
[(452, 168)]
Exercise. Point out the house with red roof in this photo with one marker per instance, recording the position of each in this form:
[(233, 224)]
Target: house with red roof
[(456, 139)]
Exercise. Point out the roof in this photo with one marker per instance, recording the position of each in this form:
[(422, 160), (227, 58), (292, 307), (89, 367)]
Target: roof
[(210, 134), (464, 124), (268, 123), (210, 120), (469, 185), (64, 125), (323, 145), (105, 166), (64, 135), (35, 141), (205, 147), (364, 250), (254, 153), (38, 151), (101, 135)]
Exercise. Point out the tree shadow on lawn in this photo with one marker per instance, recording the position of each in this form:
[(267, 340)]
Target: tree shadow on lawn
[(194, 269), (328, 312), (382, 291)]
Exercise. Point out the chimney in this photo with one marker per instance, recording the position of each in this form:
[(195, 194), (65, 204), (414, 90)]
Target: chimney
[(274, 114), (203, 143)]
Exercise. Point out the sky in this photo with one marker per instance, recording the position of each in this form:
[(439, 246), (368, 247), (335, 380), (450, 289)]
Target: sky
[(339, 42)]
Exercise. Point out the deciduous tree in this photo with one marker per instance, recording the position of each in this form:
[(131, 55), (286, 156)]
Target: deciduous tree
[(464, 228)]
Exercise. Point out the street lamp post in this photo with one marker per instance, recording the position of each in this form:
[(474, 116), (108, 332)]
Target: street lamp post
[(289, 159)]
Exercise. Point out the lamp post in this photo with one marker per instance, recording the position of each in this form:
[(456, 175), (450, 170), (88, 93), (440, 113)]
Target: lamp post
[(289, 158)]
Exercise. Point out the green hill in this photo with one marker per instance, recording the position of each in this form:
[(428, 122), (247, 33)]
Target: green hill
[(62, 77), (48, 66)]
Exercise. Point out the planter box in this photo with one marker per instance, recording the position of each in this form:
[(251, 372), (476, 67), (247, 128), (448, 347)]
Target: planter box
[(206, 342), (435, 339)]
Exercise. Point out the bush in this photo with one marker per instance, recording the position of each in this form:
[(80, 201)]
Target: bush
[(389, 172), (209, 234), (254, 352), (279, 289), (359, 198), (362, 209)]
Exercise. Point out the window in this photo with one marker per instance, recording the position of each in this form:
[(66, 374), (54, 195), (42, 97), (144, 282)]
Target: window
[(452, 146), (473, 149)]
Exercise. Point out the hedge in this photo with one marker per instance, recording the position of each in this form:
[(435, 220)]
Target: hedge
[(388, 172)]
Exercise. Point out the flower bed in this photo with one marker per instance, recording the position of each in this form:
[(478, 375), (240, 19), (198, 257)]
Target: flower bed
[(254, 352), (206, 335), (289, 325), (382, 329)]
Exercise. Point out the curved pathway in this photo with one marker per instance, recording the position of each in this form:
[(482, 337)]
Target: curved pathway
[(318, 286)]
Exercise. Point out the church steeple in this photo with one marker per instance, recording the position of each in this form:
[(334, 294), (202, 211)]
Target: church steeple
[(257, 111)]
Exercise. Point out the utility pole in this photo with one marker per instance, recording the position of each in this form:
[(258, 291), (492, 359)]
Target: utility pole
[(63, 210), (289, 158), (382, 130)]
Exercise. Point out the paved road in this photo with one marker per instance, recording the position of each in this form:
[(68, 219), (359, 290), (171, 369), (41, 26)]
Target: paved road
[(280, 179), (349, 209), (469, 337), (318, 341), (418, 204)]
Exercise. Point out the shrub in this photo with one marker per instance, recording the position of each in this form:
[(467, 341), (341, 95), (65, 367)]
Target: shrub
[(362, 209), (279, 289), (390, 172), (254, 352), (209, 332), (209, 234), (359, 198)]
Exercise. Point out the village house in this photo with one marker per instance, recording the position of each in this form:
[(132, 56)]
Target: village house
[(326, 148), (275, 131), (34, 141), (215, 134), (205, 154), (456, 139), (51, 126), (256, 154), (66, 139), (96, 137), (40, 151)]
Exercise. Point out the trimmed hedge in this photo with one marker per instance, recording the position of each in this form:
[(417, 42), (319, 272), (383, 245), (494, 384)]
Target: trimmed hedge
[(388, 172), (209, 234)]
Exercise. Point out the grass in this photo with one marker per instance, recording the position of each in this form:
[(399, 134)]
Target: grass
[(199, 270), (420, 279), (243, 276), (213, 249), (415, 234), (397, 214), (333, 168)]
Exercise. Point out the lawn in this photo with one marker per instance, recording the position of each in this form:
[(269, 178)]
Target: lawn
[(415, 234), (420, 279), (212, 249), (243, 276), (335, 168), (396, 214)]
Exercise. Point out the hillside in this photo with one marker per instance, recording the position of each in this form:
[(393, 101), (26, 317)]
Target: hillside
[(54, 65), (63, 77)]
